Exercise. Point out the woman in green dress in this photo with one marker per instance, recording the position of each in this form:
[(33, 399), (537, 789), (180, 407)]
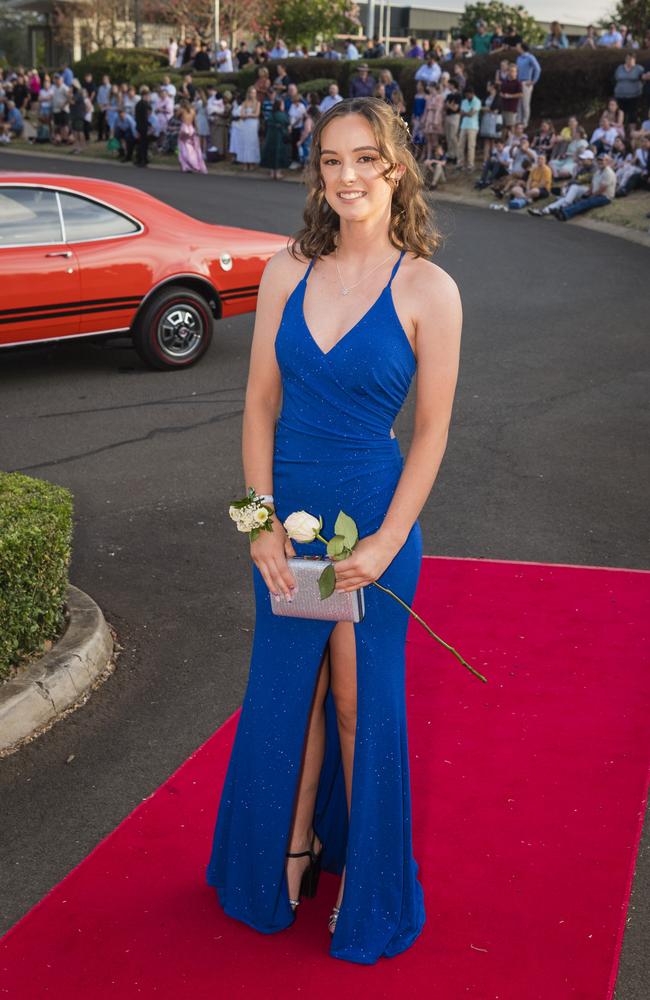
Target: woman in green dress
[(276, 151)]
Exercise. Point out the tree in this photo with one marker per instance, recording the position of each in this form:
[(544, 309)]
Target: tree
[(496, 12), (300, 22), (195, 18), (635, 14)]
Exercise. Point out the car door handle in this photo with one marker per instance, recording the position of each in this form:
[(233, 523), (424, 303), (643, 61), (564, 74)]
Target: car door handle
[(60, 253)]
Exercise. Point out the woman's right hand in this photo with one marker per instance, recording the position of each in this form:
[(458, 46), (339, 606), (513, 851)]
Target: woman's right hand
[(269, 552)]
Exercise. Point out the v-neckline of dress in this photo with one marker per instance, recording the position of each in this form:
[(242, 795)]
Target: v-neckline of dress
[(325, 354)]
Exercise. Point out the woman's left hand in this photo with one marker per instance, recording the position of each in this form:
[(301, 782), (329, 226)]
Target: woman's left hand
[(370, 557)]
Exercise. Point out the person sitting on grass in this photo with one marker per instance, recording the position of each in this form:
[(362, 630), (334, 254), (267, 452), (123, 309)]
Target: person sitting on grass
[(566, 156), (602, 137), (436, 165), (538, 184), (602, 191), (571, 191), (523, 157), (632, 171), (496, 166)]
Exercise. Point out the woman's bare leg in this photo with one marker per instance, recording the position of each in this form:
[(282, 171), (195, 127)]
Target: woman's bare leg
[(343, 681), (301, 828), (338, 670)]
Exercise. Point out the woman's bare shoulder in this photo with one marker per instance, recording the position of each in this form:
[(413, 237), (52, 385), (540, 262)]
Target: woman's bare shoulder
[(430, 280), (430, 286), (284, 270), (432, 292)]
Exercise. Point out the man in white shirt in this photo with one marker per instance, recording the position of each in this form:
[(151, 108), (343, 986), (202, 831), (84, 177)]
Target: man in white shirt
[(351, 51), (224, 57), (603, 189), (429, 71), (172, 51), (333, 97), (604, 136)]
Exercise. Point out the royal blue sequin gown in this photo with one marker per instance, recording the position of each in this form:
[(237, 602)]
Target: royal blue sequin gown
[(333, 451)]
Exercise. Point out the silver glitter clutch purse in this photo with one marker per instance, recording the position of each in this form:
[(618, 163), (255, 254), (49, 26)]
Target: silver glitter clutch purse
[(307, 602)]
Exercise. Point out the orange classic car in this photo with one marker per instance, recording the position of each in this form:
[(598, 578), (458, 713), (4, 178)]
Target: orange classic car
[(82, 257)]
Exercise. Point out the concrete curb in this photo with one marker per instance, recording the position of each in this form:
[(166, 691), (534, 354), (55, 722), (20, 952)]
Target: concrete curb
[(57, 680)]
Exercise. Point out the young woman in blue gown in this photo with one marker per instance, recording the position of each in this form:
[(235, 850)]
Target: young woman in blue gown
[(318, 777)]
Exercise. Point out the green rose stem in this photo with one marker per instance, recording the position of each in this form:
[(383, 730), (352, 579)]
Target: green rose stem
[(431, 632), (423, 623)]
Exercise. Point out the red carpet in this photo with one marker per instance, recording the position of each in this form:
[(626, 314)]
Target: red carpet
[(528, 797)]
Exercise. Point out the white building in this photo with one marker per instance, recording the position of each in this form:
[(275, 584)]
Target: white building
[(437, 18)]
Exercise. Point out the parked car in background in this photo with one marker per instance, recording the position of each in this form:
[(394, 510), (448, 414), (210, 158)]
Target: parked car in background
[(82, 257)]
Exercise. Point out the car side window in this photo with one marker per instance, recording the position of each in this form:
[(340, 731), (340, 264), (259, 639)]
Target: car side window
[(87, 220), (28, 216)]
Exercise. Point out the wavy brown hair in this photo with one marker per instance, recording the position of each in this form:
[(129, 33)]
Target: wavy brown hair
[(411, 227)]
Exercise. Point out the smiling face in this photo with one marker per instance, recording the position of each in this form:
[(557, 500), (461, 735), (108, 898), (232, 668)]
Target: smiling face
[(350, 167)]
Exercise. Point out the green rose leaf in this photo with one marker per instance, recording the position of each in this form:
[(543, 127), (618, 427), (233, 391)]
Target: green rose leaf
[(346, 526), (335, 546), (327, 582)]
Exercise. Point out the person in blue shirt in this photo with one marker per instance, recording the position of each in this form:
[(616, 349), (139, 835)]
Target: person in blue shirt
[(14, 120), (125, 131), (528, 73), (469, 111), (68, 75)]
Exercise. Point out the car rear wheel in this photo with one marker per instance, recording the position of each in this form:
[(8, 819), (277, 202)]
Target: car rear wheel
[(175, 328)]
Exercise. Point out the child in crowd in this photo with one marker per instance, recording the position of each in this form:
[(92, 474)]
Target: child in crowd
[(435, 164)]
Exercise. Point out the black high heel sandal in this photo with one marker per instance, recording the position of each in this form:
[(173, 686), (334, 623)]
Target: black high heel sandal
[(311, 874)]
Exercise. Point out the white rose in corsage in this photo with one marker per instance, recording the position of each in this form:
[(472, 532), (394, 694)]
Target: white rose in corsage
[(251, 514), (304, 527)]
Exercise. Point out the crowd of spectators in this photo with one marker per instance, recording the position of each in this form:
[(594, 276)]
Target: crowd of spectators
[(270, 125)]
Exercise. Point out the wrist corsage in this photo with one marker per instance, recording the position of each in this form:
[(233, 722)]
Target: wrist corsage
[(252, 514)]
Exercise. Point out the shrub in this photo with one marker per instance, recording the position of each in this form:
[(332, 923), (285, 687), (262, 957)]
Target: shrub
[(122, 65), (317, 86), (573, 81), (35, 546)]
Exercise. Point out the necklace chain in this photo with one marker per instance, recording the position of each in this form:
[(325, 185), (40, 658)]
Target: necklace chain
[(345, 289)]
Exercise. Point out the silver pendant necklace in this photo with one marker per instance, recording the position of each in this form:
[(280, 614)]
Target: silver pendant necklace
[(345, 289)]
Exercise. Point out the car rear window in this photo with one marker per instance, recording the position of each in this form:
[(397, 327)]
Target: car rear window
[(28, 216), (87, 220)]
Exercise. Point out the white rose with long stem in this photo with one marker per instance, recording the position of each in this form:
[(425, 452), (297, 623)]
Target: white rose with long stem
[(304, 527)]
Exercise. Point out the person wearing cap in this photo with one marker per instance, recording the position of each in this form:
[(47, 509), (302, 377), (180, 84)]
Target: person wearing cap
[(602, 191), (576, 189), (362, 83)]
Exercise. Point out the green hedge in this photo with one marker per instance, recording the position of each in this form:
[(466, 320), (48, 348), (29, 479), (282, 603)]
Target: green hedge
[(573, 81), (121, 65), (35, 547)]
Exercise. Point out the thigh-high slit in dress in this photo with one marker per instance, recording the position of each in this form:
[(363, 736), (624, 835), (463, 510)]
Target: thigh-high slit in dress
[(334, 450)]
